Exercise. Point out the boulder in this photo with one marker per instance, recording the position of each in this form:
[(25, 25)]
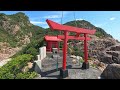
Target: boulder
[(28, 67), (113, 53), (116, 59), (112, 71), (79, 58), (106, 59), (72, 56), (115, 48), (74, 61)]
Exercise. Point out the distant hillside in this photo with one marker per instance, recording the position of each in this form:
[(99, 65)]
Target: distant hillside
[(17, 30), (85, 24), (18, 35)]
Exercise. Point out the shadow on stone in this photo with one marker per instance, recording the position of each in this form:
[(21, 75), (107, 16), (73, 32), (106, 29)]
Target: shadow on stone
[(46, 73), (54, 76)]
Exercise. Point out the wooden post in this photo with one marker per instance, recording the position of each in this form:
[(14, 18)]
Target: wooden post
[(85, 49), (65, 50), (85, 64)]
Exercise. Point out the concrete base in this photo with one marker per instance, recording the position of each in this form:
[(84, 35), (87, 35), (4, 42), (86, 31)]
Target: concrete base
[(55, 56), (63, 73), (55, 50), (85, 65), (37, 66)]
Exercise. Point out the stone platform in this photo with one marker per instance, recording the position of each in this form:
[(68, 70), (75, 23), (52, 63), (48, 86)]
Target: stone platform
[(49, 70)]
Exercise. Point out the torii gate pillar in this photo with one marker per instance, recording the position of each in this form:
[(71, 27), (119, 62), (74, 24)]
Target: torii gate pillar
[(64, 71), (85, 64)]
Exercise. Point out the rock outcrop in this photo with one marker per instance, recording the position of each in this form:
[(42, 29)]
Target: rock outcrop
[(16, 31), (110, 55), (112, 71)]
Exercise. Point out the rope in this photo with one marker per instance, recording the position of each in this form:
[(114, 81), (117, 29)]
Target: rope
[(61, 23), (61, 17), (59, 44), (75, 19)]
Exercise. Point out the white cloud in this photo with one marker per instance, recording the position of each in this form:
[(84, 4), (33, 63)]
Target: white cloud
[(46, 26), (112, 18), (37, 22), (98, 25), (52, 16), (41, 24), (79, 19)]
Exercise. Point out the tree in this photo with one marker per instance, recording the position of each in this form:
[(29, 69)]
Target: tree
[(32, 51)]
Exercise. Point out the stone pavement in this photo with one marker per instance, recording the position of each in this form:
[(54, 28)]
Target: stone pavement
[(75, 72)]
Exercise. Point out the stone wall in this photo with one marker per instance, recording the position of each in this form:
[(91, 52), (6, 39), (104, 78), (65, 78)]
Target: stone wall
[(42, 52)]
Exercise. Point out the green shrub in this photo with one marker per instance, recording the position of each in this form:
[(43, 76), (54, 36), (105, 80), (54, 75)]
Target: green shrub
[(75, 48), (32, 48), (26, 75), (81, 54), (32, 51), (78, 53), (98, 34), (14, 67), (81, 60)]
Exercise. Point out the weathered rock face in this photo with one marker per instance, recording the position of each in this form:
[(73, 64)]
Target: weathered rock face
[(113, 53), (110, 55), (9, 25), (106, 58), (15, 29), (97, 64), (112, 71), (26, 40), (116, 48), (97, 46), (6, 51)]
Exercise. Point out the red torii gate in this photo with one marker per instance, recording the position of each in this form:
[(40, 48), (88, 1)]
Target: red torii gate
[(65, 37)]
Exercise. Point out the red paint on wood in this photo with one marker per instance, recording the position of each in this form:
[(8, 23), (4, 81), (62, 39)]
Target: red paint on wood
[(73, 37), (65, 50), (52, 38), (85, 49), (59, 27)]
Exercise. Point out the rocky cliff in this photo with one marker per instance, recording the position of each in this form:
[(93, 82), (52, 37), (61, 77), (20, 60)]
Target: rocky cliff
[(16, 31)]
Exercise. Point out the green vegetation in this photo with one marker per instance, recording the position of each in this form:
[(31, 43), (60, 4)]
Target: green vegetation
[(32, 48), (81, 60), (14, 36), (75, 51), (33, 33), (26, 75), (32, 51), (8, 33), (94, 65), (13, 69), (6, 37), (78, 53)]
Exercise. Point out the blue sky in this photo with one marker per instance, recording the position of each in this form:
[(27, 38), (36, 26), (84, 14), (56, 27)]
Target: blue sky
[(108, 20)]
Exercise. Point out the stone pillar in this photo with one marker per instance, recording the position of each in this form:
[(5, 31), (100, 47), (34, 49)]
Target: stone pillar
[(38, 56)]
